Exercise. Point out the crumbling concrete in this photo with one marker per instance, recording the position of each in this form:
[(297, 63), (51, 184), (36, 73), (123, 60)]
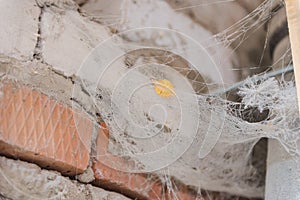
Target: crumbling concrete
[(21, 180)]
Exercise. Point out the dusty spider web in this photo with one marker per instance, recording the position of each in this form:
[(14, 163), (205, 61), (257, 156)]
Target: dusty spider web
[(226, 131)]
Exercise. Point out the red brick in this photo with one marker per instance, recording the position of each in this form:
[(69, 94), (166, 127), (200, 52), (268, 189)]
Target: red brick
[(38, 129), (134, 185), (156, 191)]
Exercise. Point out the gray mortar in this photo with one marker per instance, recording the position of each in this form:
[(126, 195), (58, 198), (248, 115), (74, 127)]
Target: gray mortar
[(87, 176)]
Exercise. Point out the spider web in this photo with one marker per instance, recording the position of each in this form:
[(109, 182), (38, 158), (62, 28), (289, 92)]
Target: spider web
[(167, 40)]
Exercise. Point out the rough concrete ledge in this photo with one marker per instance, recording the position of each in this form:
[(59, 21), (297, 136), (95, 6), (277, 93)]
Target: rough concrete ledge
[(22, 180)]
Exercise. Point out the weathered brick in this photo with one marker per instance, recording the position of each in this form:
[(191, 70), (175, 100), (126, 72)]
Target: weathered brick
[(38, 129), (108, 176), (156, 191)]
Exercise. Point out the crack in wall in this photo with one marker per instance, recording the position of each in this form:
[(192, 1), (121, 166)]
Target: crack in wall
[(4, 198), (81, 2), (38, 46), (59, 73)]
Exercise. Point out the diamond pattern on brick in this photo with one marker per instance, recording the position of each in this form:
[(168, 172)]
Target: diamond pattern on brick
[(36, 128)]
